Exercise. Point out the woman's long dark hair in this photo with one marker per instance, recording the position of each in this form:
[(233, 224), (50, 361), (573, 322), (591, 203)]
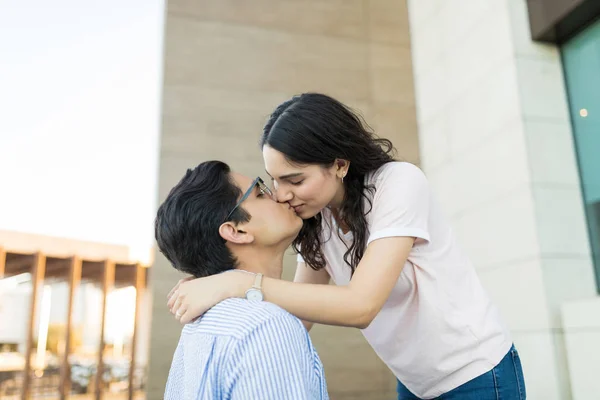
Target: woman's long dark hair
[(314, 128)]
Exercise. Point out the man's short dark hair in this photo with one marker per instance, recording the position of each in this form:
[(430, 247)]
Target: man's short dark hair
[(187, 222)]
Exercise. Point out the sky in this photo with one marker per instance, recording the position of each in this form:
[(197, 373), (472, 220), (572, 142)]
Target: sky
[(80, 86)]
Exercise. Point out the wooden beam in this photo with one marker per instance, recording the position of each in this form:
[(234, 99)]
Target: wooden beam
[(65, 371), (108, 281), (37, 280), (140, 284), (2, 262)]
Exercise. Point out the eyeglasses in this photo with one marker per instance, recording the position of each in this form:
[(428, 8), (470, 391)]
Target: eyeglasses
[(257, 183)]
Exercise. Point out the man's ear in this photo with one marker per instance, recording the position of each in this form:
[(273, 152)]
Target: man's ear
[(233, 234)]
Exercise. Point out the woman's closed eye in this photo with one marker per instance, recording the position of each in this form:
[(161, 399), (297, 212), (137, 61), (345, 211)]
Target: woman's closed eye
[(297, 182)]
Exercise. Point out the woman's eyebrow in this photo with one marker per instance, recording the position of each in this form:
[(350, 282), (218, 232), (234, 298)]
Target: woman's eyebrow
[(288, 176)]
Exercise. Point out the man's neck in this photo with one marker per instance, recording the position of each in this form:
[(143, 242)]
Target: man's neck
[(265, 261)]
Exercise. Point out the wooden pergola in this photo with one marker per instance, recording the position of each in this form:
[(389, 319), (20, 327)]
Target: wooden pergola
[(107, 273)]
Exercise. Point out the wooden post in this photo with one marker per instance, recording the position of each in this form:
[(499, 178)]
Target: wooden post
[(140, 284), (65, 372), (108, 281), (2, 262), (37, 279)]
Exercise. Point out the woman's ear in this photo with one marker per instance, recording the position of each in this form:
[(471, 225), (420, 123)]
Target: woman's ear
[(233, 234), (342, 167)]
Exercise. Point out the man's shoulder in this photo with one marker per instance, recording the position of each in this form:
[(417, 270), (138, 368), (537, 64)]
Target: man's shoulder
[(257, 310), (240, 317)]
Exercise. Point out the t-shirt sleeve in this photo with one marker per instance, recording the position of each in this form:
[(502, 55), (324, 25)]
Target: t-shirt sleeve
[(401, 203)]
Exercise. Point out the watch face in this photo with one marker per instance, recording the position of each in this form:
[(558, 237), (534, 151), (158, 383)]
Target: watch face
[(254, 294)]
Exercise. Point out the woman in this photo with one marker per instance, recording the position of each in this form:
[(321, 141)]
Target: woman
[(372, 225)]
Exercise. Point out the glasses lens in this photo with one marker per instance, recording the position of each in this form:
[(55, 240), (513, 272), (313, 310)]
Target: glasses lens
[(264, 188)]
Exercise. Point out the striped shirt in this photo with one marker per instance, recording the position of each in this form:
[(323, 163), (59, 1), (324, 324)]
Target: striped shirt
[(243, 349)]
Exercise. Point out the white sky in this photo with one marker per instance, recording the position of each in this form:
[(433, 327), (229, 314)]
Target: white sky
[(80, 85)]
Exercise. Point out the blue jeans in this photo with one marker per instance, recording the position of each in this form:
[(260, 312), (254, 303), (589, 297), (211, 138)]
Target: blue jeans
[(504, 382)]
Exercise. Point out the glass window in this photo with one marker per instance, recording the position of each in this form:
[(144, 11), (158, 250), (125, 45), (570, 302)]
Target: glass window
[(581, 61)]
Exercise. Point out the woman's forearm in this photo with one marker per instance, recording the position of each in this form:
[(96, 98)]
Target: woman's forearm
[(324, 304), (355, 304)]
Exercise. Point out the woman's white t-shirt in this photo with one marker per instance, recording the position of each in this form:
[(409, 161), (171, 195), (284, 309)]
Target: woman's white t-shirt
[(438, 329)]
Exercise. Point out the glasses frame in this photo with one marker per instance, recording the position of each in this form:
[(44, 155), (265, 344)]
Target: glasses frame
[(258, 182)]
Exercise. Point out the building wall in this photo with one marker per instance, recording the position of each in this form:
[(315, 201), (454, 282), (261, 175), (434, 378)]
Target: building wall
[(228, 63), (496, 143), (581, 318), (13, 331)]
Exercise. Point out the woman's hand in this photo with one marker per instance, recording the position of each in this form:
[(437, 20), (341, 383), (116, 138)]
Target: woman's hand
[(191, 298)]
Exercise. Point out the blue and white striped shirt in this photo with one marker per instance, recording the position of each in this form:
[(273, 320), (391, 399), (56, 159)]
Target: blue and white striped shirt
[(243, 349)]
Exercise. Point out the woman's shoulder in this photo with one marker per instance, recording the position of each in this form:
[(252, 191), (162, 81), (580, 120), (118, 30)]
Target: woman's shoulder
[(396, 171)]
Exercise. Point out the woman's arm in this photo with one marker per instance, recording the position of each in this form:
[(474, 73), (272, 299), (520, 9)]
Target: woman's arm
[(354, 305), (305, 274)]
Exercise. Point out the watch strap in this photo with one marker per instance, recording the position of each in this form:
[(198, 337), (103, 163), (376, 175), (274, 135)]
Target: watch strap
[(258, 282)]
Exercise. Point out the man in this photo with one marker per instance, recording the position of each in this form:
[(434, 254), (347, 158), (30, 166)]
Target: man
[(214, 221)]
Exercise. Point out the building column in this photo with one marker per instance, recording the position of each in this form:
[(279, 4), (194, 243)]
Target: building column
[(496, 144), (226, 69)]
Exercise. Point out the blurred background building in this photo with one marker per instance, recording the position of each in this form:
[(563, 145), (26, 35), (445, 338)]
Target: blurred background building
[(498, 101), (71, 312)]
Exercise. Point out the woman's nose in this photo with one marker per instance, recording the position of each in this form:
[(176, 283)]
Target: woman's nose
[(283, 196)]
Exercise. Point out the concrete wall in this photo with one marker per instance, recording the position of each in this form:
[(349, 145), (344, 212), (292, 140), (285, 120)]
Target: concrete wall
[(581, 322), (228, 63), (496, 143)]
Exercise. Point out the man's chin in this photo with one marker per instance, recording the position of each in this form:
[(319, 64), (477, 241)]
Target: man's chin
[(294, 234)]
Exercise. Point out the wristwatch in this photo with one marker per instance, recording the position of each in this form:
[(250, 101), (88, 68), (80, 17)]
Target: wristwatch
[(255, 292)]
